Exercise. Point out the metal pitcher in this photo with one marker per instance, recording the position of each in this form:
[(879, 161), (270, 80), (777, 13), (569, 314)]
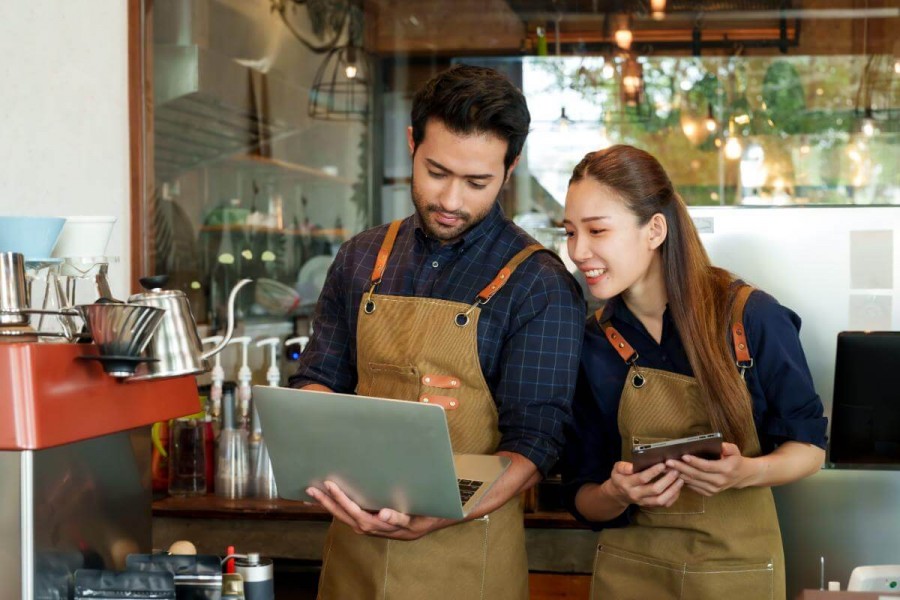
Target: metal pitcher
[(176, 343)]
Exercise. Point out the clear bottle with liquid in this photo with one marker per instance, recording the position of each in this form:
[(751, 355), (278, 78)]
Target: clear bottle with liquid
[(233, 460)]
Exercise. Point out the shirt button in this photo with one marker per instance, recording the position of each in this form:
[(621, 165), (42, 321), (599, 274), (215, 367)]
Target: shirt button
[(435, 264)]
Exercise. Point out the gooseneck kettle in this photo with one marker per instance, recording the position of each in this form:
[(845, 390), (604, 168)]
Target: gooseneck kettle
[(176, 344)]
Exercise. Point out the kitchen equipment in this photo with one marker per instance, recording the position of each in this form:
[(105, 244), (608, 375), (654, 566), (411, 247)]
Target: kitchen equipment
[(14, 298), (84, 237), (262, 479), (121, 332), (258, 575), (244, 377), (232, 460), (34, 237), (187, 456), (275, 297), (176, 344)]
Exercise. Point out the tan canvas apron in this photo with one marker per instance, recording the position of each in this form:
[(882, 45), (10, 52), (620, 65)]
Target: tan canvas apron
[(425, 349), (724, 546)]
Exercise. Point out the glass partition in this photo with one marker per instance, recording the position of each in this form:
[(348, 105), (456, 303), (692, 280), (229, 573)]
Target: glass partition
[(279, 126)]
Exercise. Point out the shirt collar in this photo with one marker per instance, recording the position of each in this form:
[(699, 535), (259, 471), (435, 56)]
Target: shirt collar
[(623, 314), (486, 226)]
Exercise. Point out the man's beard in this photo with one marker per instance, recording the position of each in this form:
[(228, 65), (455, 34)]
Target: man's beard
[(445, 234)]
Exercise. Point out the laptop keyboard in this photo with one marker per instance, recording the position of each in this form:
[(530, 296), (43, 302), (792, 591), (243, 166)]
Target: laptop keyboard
[(467, 489)]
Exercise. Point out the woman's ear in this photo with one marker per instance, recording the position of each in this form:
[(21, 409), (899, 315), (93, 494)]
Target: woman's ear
[(659, 229)]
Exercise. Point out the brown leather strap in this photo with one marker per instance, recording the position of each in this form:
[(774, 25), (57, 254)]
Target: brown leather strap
[(738, 332), (446, 401), (447, 382), (503, 276), (618, 342), (385, 252)]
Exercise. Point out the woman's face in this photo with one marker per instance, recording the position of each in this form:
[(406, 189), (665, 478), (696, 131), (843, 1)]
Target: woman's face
[(605, 240)]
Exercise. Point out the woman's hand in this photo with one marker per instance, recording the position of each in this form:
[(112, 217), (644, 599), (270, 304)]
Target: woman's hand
[(789, 462), (656, 486), (709, 477)]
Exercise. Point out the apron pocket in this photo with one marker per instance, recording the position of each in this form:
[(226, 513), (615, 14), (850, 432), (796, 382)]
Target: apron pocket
[(746, 581), (448, 563), (400, 382), (622, 575)]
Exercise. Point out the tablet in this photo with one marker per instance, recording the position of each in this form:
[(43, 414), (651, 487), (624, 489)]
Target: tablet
[(707, 445)]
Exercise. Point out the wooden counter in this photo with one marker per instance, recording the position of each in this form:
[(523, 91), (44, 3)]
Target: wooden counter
[(285, 529)]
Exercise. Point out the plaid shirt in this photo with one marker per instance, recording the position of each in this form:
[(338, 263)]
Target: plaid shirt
[(529, 334)]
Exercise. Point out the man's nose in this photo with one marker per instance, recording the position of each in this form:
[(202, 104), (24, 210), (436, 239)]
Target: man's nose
[(451, 198)]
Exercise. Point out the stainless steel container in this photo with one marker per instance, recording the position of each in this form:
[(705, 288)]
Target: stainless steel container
[(14, 297), (176, 344)]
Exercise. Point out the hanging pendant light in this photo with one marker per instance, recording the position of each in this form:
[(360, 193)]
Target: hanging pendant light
[(340, 89), (632, 82), (623, 34)]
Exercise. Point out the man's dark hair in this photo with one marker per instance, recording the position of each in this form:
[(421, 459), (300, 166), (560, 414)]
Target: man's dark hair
[(468, 100)]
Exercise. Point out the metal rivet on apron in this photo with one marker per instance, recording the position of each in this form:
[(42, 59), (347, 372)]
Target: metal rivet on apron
[(741, 346), (740, 331), (613, 335), (462, 319), (452, 382), (428, 380), (502, 276), (425, 400), (453, 404), (638, 380), (370, 307), (621, 345)]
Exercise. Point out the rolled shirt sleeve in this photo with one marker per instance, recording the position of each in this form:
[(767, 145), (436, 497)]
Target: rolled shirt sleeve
[(539, 365), (785, 403)]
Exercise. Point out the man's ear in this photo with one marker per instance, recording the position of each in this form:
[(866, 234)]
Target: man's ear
[(512, 168), (409, 141), (658, 229)]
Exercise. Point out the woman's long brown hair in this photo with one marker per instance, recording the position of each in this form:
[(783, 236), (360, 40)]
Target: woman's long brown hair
[(698, 292)]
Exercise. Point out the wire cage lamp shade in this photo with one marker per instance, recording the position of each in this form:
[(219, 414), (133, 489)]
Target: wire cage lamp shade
[(340, 89)]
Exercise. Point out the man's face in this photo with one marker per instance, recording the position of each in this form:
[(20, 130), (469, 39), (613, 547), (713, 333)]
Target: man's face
[(456, 179)]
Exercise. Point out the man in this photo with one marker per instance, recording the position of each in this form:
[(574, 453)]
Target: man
[(454, 303)]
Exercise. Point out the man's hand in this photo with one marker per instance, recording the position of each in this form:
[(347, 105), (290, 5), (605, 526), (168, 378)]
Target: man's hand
[(385, 523)]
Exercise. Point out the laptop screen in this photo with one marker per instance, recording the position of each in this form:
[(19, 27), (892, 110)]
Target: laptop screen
[(865, 427)]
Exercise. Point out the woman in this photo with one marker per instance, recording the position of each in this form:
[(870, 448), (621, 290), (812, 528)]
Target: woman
[(667, 358)]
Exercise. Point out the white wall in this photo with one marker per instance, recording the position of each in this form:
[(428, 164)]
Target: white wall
[(64, 139), (836, 267)]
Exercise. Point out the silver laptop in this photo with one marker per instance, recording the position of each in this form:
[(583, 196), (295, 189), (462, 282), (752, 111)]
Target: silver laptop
[(382, 453)]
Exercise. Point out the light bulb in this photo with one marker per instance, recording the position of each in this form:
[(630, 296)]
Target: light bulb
[(733, 149), (658, 9), (689, 128), (608, 70), (624, 37), (350, 71), (868, 127)]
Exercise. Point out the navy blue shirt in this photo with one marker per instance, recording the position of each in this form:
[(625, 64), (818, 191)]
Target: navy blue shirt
[(529, 334), (785, 404)]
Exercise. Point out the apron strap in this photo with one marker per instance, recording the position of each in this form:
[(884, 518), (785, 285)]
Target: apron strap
[(503, 276), (381, 261), (743, 360), (628, 354), (386, 246)]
